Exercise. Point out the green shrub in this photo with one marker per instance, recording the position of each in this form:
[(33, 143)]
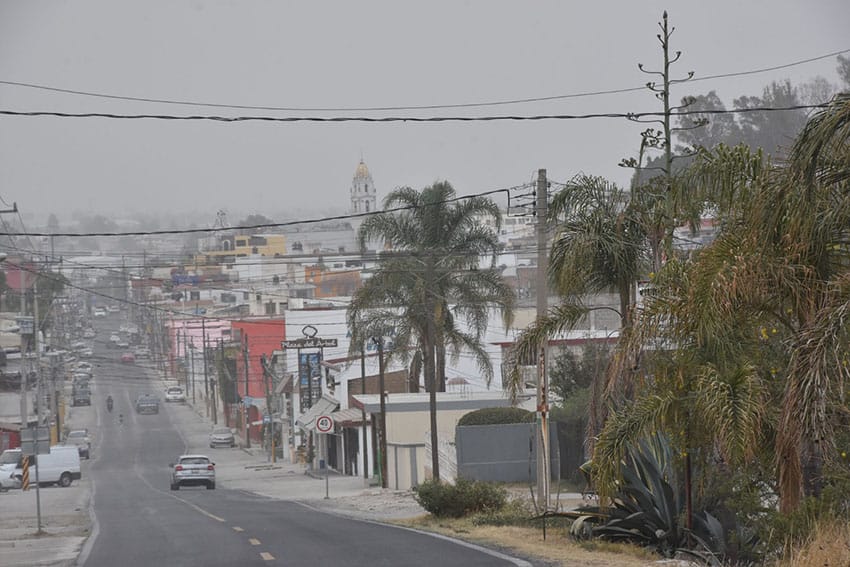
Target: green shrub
[(497, 416), (456, 500)]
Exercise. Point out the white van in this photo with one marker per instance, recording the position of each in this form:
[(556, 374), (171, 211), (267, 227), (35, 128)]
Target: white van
[(61, 466)]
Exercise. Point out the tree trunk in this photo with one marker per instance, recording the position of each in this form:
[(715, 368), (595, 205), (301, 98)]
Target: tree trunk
[(440, 349), (431, 383)]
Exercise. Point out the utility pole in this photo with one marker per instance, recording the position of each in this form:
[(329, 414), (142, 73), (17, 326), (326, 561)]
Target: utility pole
[(384, 482), (24, 349), (541, 210), (247, 419), (206, 376), (363, 409)]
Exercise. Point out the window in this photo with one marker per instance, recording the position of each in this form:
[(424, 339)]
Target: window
[(241, 242), (245, 295), (367, 206)]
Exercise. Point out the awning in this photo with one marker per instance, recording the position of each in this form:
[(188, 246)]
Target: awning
[(349, 417), (324, 406)]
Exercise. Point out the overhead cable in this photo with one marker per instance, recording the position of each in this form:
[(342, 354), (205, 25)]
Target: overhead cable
[(404, 107)]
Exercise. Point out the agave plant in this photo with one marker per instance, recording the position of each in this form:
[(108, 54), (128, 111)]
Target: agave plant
[(647, 510)]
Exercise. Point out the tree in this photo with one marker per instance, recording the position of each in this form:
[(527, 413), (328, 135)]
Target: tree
[(254, 220), (844, 70), (773, 132), (758, 319), (431, 280)]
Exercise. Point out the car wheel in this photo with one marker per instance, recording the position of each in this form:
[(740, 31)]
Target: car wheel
[(175, 486), (211, 486), (65, 480)]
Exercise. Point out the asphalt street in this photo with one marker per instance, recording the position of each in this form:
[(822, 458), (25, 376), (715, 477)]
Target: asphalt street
[(139, 521)]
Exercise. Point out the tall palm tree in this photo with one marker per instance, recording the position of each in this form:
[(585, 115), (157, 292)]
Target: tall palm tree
[(600, 245), (781, 262), (430, 280)]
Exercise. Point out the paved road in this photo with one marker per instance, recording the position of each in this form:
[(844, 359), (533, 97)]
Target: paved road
[(140, 522)]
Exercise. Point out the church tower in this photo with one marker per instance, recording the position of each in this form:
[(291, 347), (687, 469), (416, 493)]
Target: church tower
[(363, 197)]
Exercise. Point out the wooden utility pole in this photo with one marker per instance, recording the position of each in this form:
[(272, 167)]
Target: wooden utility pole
[(245, 407), (384, 482), (363, 409), (542, 434), (206, 375)]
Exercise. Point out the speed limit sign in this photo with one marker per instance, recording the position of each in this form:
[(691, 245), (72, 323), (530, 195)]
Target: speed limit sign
[(324, 423)]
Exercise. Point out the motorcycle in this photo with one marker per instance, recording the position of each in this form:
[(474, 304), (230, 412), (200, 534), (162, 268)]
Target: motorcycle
[(109, 404)]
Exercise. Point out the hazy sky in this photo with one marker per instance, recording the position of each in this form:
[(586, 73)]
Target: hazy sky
[(354, 54)]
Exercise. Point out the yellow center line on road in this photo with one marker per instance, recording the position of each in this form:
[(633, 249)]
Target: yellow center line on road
[(237, 529), (267, 556), (254, 541)]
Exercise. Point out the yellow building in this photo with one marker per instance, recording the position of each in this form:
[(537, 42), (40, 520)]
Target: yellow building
[(230, 247)]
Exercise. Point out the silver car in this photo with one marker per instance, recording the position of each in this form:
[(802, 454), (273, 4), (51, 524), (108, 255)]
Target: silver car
[(80, 438), (193, 470), (222, 437)]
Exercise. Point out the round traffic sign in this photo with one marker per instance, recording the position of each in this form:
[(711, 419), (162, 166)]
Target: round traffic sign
[(324, 423)]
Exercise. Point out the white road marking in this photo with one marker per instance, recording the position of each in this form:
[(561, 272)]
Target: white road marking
[(237, 529), (254, 541), (267, 556)]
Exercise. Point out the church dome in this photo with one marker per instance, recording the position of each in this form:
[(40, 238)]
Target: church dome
[(362, 171)]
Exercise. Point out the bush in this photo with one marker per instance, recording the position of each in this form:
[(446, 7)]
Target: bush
[(464, 497), (497, 416)]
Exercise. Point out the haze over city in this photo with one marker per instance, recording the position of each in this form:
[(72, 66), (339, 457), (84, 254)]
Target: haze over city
[(334, 56)]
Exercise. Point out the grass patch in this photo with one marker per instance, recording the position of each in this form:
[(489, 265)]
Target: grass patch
[(527, 541)]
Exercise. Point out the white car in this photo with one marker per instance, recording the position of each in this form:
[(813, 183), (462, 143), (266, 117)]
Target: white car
[(193, 470), (175, 394)]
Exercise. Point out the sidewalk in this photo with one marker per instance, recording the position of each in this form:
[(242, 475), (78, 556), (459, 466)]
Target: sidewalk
[(251, 470), (65, 513)]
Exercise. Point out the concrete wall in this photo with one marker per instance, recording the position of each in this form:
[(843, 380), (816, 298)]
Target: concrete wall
[(502, 453)]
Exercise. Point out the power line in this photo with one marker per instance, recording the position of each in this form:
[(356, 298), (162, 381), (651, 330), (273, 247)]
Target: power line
[(506, 190), (405, 107), (389, 119)]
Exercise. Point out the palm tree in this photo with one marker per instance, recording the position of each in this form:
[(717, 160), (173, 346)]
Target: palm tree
[(780, 263), (431, 280), (600, 245)]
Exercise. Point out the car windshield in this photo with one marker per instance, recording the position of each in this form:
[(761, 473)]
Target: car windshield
[(194, 461), (77, 434), (222, 431), (9, 457), (175, 390)]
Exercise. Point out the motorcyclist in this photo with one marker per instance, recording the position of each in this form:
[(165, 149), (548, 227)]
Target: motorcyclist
[(109, 403), (121, 418)]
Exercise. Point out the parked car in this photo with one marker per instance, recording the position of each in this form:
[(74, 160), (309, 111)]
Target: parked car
[(142, 352), (100, 311), (193, 470), (147, 404), (222, 437), (8, 480), (175, 394), (81, 397), (60, 466), (89, 334), (80, 438), (128, 357)]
